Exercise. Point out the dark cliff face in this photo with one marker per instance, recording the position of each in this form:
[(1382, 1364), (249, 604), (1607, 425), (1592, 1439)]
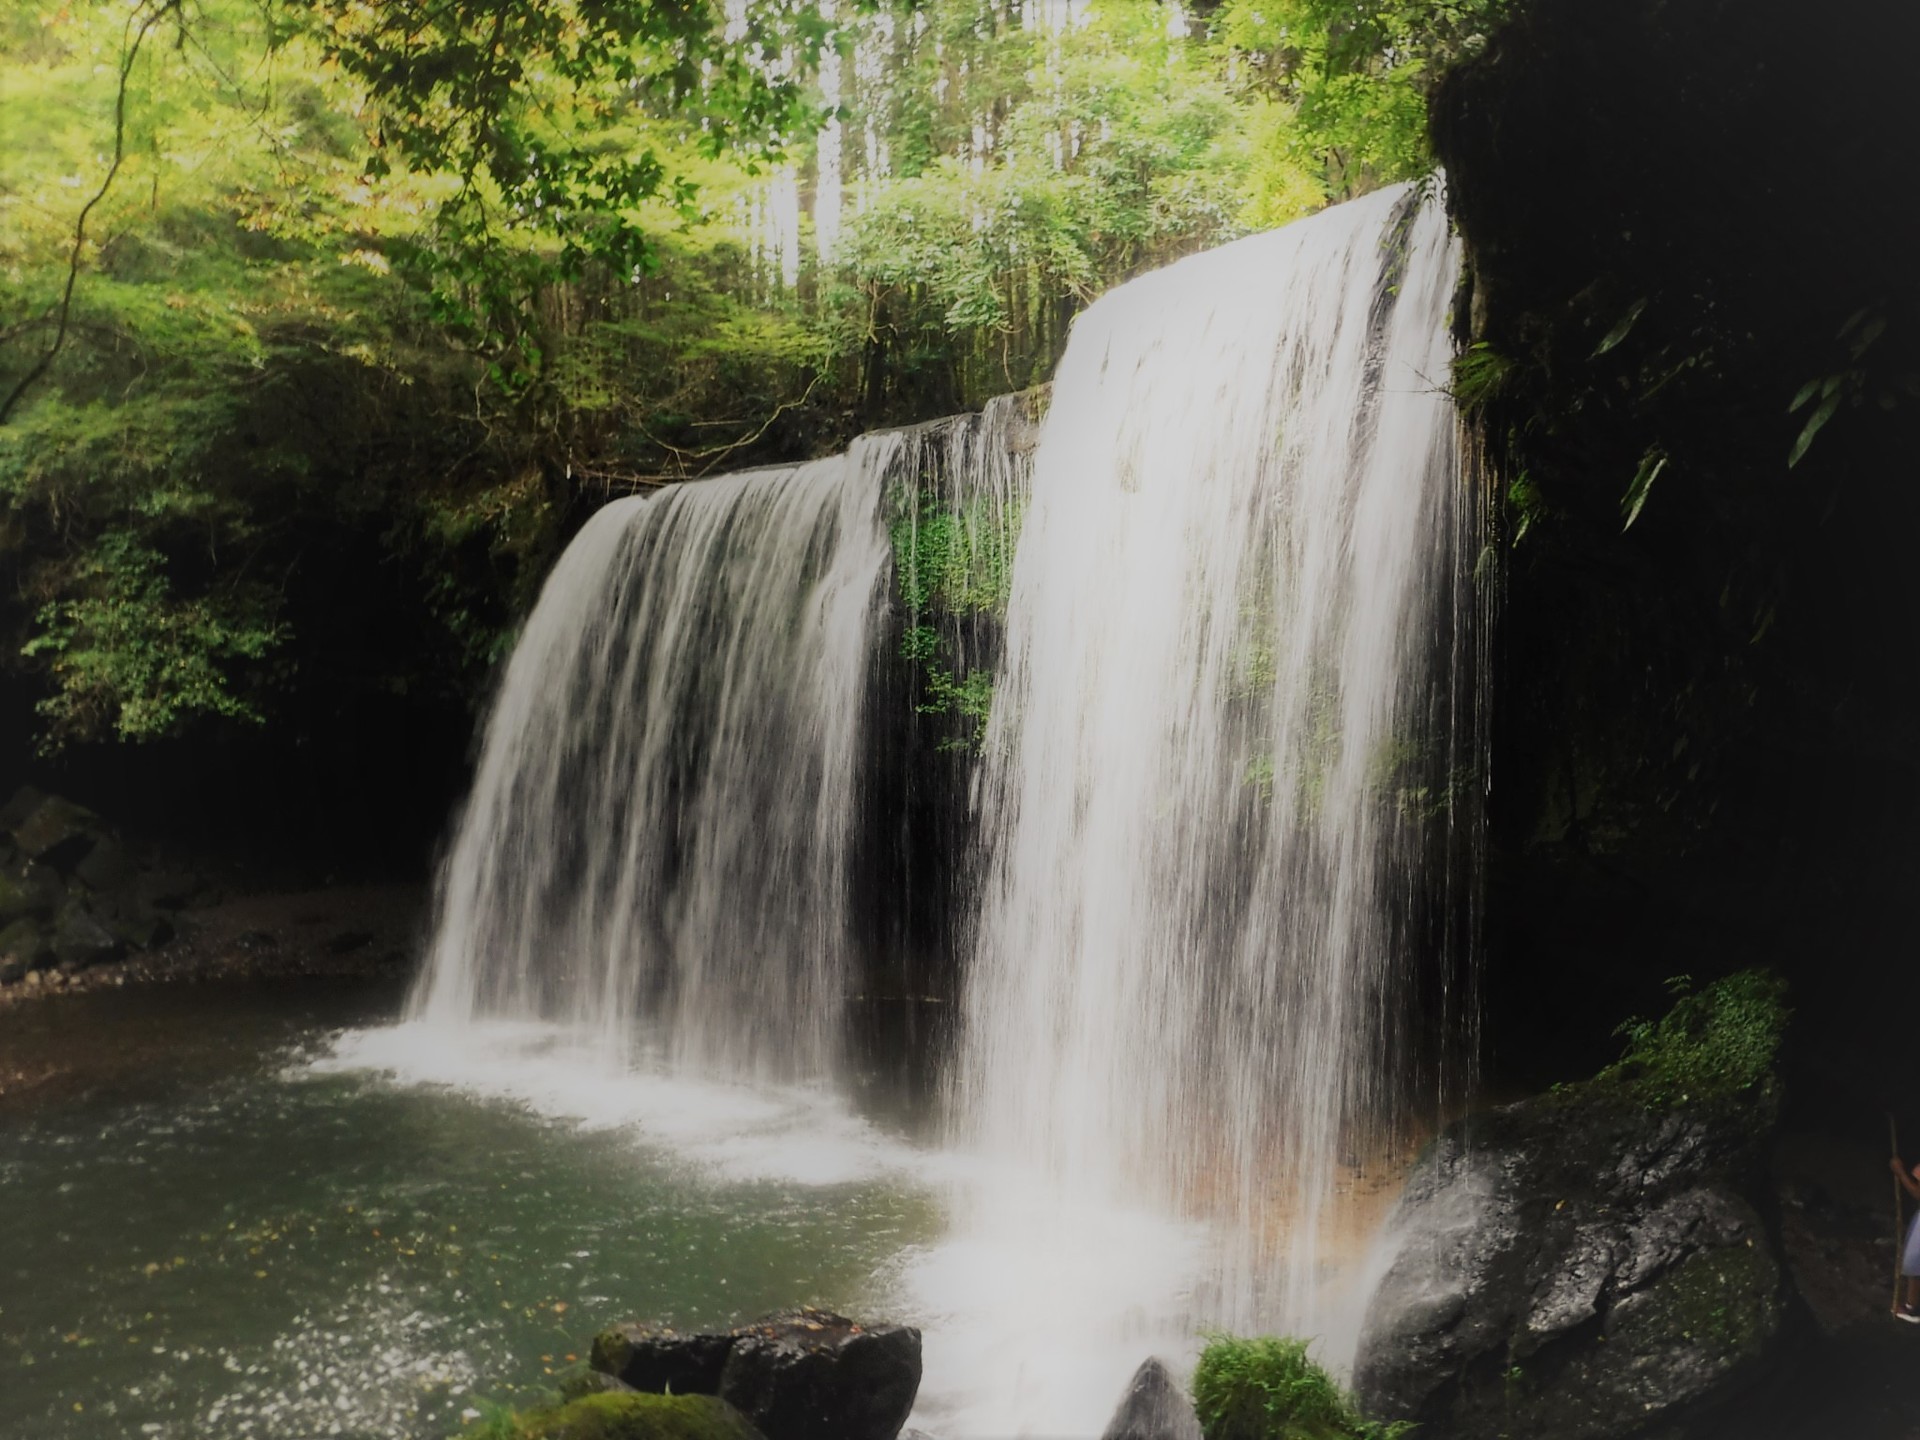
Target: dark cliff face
[(1680, 214)]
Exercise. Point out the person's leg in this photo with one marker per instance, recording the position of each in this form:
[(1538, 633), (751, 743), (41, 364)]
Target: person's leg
[(1909, 1309)]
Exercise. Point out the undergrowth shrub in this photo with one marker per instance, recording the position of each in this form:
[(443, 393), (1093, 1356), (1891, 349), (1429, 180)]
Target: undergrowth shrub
[(1266, 1388), (1713, 1045)]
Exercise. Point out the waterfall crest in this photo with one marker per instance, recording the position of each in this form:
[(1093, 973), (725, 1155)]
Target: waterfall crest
[(655, 846), (1229, 727)]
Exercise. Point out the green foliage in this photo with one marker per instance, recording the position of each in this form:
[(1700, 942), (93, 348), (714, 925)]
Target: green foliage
[(1267, 1389), (1716, 1044), (1631, 504), (132, 659), (533, 118), (1859, 382), (1480, 373), (1030, 169), (955, 562), (402, 290), (969, 698), (1356, 75), (949, 564), (272, 384)]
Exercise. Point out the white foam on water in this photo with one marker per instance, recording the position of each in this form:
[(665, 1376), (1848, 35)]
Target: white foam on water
[(803, 1134), (1032, 1331)]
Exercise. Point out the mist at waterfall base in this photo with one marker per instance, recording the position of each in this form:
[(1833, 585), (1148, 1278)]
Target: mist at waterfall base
[(1218, 802)]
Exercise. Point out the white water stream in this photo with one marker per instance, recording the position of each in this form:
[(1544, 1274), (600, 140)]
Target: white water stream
[(1227, 731), (655, 849), (1223, 729)]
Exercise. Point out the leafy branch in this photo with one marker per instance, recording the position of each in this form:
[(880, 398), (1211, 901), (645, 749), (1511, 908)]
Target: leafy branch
[(140, 24)]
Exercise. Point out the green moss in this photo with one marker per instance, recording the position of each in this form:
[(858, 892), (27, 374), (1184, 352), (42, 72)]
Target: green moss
[(1266, 1388), (622, 1417), (1719, 1301)]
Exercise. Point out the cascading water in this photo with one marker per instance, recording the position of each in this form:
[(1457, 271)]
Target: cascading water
[(1235, 712), (1230, 721), (655, 847)]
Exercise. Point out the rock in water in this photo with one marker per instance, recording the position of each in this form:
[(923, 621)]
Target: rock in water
[(1576, 1268), (1154, 1408), (809, 1374), (663, 1361)]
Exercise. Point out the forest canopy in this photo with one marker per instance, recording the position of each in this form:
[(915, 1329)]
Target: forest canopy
[(313, 311)]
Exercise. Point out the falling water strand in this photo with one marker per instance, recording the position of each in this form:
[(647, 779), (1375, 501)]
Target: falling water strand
[(1220, 753), (655, 848)]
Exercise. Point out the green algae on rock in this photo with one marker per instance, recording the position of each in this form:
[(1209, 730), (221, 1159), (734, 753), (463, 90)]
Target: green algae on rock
[(624, 1417)]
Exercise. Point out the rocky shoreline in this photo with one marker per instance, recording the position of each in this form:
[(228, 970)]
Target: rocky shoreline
[(83, 907)]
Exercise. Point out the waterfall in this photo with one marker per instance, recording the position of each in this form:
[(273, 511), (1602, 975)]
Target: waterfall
[(655, 846), (1232, 727), (1200, 916)]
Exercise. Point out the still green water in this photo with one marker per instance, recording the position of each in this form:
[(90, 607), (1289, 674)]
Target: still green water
[(202, 1236)]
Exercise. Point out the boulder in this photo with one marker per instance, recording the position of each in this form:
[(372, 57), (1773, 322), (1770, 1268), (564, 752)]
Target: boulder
[(1579, 1266), (809, 1374), (139, 930), (25, 944), (1154, 1407), (661, 1360), (578, 1384), (22, 803), (15, 902), (80, 940), (57, 832), (29, 889), (108, 866)]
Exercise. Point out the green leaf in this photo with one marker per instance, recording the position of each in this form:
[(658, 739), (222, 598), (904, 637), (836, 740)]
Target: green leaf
[(1620, 330), (1815, 423), (1651, 464)]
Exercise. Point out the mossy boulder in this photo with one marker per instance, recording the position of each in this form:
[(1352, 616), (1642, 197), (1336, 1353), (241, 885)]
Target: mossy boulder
[(1594, 1262), (630, 1417), (661, 1359), (801, 1374), (809, 1374), (57, 831)]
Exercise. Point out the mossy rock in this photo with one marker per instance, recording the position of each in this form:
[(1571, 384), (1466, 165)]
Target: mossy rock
[(629, 1417), (1596, 1261), (1714, 1313)]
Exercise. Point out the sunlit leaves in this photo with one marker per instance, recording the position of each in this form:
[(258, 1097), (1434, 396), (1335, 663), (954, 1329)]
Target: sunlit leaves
[(539, 108), (1356, 73)]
